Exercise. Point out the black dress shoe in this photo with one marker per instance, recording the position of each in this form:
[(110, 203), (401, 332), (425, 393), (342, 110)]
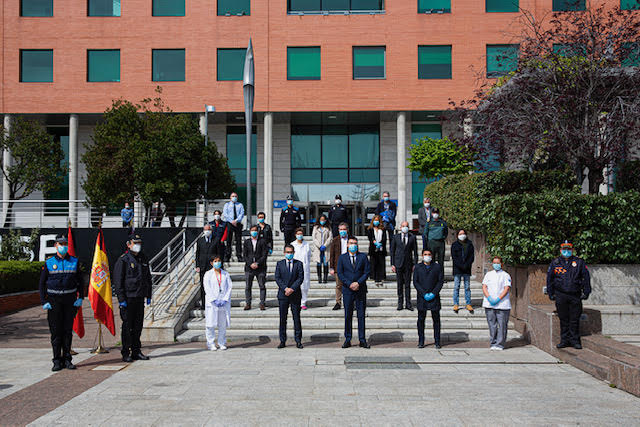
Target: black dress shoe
[(563, 345), (282, 344), (127, 359), (438, 346), (364, 344), (139, 356), (299, 345), (400, 307), (420, 345), (57, 366), (410, 308), (577, 346), (346, 344), (337, 306), (69, 365)]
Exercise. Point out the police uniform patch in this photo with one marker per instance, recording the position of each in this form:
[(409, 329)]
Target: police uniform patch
[(55, 266), (133, 265), (574, 264)]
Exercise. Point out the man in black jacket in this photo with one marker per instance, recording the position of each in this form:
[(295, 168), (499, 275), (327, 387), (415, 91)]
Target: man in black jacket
[(265, 232), (254, 253), (289, 277), (404, 256), (132, 284), (428, 279), (205, 249), (462, 255)]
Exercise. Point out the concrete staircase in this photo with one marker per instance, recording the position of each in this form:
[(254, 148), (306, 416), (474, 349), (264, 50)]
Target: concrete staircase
[(320, 323)]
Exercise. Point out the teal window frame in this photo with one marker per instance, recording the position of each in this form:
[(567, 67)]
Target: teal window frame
[(156, 60), (500, 6), (295, 69), (434, 70), (356, 50), (236, 149), (234, 60), (92, 5), (233, 7), (168, 8), (106, 65), (629, 4), (35, 76), (434, 6), (569, 5), (421, 130), (493, 65), (301, 7), (36, 8)]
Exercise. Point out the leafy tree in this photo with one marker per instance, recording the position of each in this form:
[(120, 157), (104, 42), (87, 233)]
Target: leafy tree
[(435, 158), (17, 248), (37, 161)]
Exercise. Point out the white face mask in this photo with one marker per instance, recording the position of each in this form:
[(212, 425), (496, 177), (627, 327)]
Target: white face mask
[(338, 201), (426, 205), (405, 230), (216, 217), (136, 248), (436, 216), (462, 237), (207, 233), (427, 258)]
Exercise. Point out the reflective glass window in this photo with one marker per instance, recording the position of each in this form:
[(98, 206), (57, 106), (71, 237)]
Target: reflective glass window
[(168, 65), (501, 59), (230, 64), (568, 5), (36, 66), (104, 8), (630, 4), (36, 7), (168, 7), (434, 6), (369, 62), (303, 63), (502, 5), (103, 65), (234, 7), (434, 62)]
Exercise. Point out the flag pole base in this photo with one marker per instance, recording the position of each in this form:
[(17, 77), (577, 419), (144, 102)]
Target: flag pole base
[(100, 348)]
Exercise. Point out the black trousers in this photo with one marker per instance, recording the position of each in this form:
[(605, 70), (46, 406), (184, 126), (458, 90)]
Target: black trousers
[(235, 232), (435, 316), (60, 319), (569, 309), (378, 267), (284, 305), (359, 301), (437, 249), (132, 318), (403, 276), (262, 280), (289, 236)]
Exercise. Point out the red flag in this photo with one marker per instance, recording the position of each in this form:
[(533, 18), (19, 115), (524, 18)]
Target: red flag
[(78, 321), (100, 286)]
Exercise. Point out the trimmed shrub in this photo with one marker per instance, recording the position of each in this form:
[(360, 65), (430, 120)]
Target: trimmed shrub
[(19, 276)]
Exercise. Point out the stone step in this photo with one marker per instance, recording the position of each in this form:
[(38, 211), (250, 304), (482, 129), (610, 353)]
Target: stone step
[(628, 339), (618, 319), (328, 291), (329, 302)]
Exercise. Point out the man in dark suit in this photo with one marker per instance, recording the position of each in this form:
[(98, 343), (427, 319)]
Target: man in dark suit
[(428, 279), (338, 247), (254, 253), (404, 256), (289, 277), (353, 271), (205, 249)]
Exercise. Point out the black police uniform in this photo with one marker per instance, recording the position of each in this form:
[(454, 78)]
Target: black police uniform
[(337, 214), (132, 283), (289, 221), (60, 285), (568, 283)]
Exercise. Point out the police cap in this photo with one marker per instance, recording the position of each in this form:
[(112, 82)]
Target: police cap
[(62, 239), (338, 196), (566, 245), (135, 238)]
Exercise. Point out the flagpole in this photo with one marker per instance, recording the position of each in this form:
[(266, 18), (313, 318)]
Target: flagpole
[(100, 348)]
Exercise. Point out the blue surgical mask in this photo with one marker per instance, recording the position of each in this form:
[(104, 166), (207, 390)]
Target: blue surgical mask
[(497, 267), (323, 222), (217, 265), (288, 256), (353, 248), (254, 233), (566, 253), (386, 199), (289, 202), (260, 220), (343, 233), (62, 250), (234, 199), (299, 236), (376, 223)]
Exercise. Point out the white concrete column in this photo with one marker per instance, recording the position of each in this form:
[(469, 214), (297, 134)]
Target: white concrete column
[(6, 162), (203, 123), (268, 167), (73, 169), (401, 142)]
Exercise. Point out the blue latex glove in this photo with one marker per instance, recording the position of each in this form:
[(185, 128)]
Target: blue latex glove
[(323, 248), (78, 302), (148, 301), (216, 302), (221, 303), (270, 251), (429, 296), (493, 301), (46, 306), (123, 304), (378, 245)]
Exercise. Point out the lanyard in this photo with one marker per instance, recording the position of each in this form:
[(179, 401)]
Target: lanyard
[(219, 275)]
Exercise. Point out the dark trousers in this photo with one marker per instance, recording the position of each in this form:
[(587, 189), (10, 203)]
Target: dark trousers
[(569, 309), (234, 233), (132, 318), (202, 271), (389, 228), (435, 316), (403, 276), (378, 267), (60, 319), (284, 305), (359, 300), (262, 279), (437, 249), (289, 236), (424, 243)]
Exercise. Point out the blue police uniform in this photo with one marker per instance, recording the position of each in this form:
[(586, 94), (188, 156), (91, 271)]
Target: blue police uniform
[(290, 220)]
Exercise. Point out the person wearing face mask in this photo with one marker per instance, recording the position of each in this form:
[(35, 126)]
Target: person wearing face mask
[(255, 265), (131, 280), (156, 215), (205, 249), (436, 233), (289, 278), (496, 287), (353, 271), (127, 215), (265, 232), (233, 214), (568, 283), (217, 286), (220, 234), (337, 215), (303, 254), (377, 250), (339, 246), (387, 210), (424, 217), (428, 278), (320, 251), (290, 221), (404, 256), (61, 292), (462, 255)]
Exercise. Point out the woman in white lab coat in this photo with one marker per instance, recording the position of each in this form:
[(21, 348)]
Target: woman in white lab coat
[(217, 291), (303, 253)]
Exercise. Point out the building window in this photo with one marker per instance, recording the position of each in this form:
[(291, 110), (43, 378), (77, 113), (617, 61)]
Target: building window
[(630, 4), (418, 131), (501, 59), (168, 8), (502, 5), (303, 63), (631, 54), (234, 7), (434, 62), (61, 191), (335, 6), (230, 64), (103, 8), (568, 5), (36, 66), (237, 161), (103, 65), (570, 50), (36, 7), (168, 65), (434, 6), (369, 62)]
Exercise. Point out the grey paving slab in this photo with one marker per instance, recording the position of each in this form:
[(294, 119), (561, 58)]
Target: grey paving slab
[(313, 386)]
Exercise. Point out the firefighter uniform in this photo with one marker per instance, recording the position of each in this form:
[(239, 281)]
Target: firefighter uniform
[(290, 220)]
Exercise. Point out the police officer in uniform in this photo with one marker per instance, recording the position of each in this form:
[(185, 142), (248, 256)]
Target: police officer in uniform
[(132, 284), (61, 293), (568, 283), (337, 215), (290, 221)]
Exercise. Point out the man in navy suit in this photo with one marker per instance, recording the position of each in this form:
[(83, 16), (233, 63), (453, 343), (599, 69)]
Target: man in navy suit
[(353, 270), (428, 279), (289, 277)]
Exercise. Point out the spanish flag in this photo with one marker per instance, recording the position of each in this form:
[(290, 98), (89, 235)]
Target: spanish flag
[(78, 321), (100, 286)]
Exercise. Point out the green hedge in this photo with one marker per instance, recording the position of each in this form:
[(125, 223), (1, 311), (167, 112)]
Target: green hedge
[(19, 276), (628, 176)]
